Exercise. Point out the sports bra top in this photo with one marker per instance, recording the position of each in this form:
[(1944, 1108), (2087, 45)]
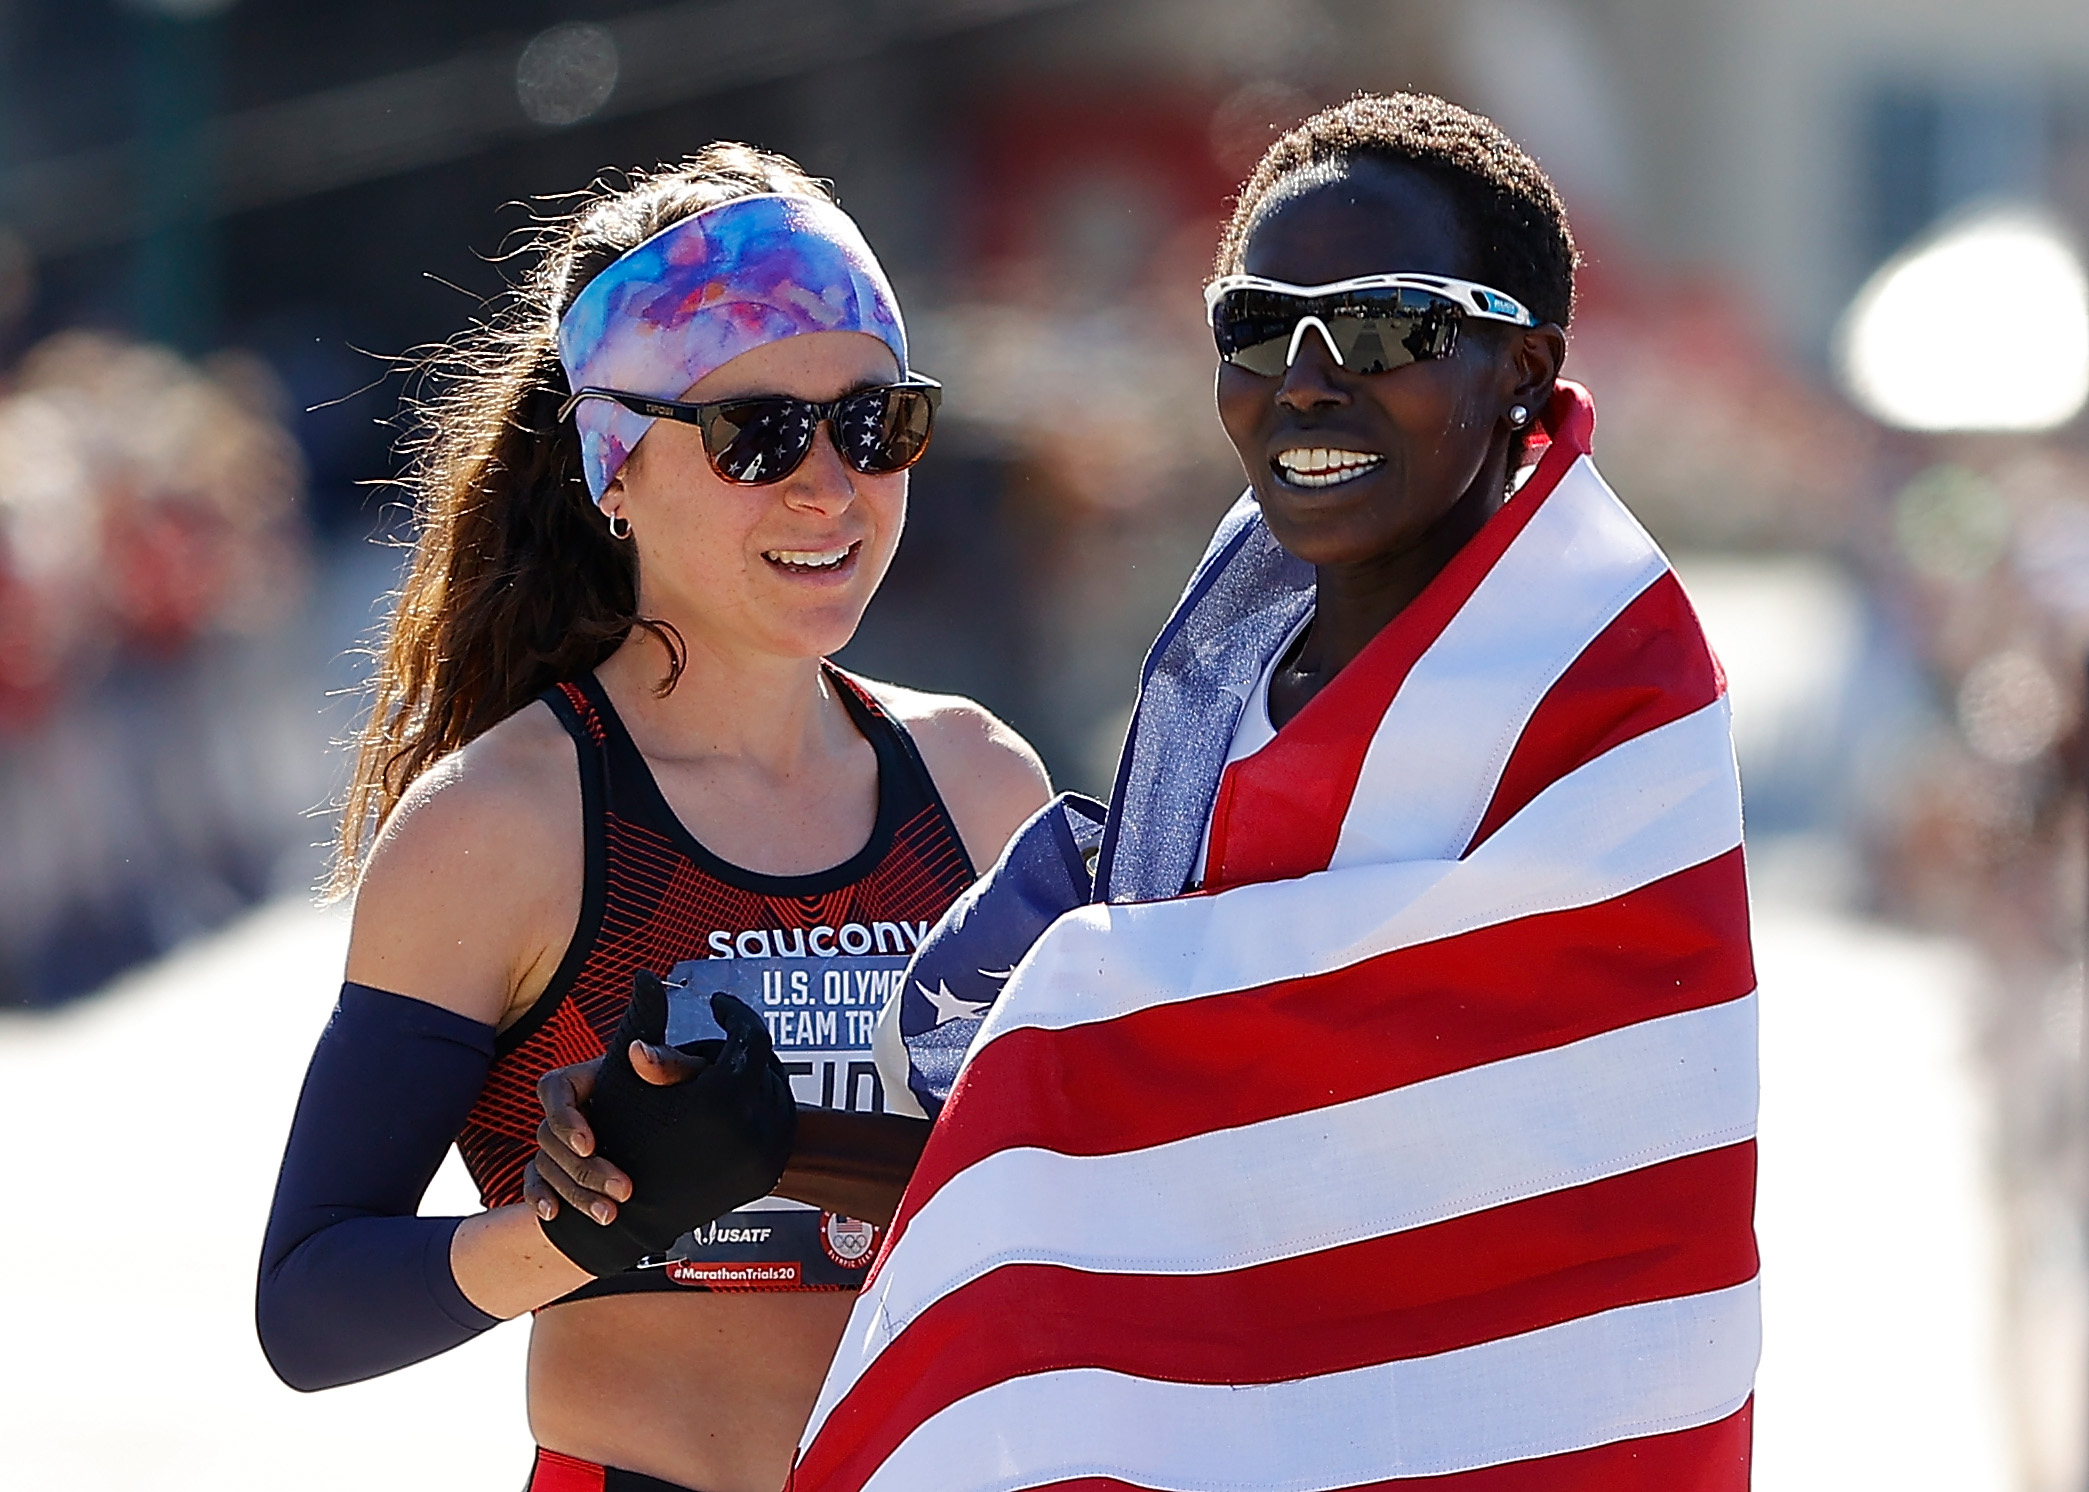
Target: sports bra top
[(817, 955)]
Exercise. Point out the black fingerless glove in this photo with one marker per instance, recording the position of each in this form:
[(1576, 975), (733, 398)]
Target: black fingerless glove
[(694, 1150)]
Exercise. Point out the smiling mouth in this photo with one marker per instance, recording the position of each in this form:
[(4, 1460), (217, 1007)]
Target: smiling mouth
[(811, 561), (1323, 466)]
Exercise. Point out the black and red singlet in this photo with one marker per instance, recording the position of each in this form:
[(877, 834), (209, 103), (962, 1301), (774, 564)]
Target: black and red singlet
[(817, 955)]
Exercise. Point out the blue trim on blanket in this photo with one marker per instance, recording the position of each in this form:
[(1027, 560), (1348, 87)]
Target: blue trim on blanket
[(956, 974), (1233, 531), (1243, 600)]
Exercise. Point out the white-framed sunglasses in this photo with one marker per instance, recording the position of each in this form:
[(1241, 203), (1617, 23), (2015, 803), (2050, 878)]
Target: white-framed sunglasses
[(1372, 324)]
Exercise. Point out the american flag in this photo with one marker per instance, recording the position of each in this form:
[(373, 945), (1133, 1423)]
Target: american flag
[(1416, 1148)]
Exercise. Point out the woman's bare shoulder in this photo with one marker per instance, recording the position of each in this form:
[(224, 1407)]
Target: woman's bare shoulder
[(991, 778), (474, 880)]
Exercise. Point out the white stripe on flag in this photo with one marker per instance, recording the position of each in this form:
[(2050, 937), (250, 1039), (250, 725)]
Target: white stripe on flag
[(1438, 753), (1640, 1370), (1421, 1154), (1647, 808)]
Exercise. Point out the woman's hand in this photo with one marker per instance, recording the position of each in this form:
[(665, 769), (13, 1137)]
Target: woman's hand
[(856, 1164), (715, 1136), (566, 1170)]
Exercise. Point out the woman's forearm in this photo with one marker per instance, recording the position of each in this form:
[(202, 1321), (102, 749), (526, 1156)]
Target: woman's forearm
[(505, 1265), (853, 1164)]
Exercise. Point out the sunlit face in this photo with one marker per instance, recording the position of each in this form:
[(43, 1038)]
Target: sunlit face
[(1352, 468), (785, 569)]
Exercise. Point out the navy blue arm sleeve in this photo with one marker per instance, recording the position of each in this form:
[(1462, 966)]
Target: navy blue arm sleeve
[(353, 1284)]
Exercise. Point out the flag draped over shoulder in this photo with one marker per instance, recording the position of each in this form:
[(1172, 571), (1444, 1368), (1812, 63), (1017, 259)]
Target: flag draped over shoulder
[(1418, 1144)]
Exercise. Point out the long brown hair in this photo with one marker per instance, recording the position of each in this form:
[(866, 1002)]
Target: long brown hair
[(515, 582)]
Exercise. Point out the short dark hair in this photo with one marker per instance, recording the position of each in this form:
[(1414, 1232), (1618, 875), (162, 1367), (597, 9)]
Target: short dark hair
[(1512, 214)]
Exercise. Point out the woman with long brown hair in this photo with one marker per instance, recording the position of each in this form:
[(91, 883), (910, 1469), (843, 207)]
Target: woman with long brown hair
[(606, 752)]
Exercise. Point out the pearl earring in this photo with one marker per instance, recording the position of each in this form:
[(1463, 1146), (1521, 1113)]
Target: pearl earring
[(1519, 416)]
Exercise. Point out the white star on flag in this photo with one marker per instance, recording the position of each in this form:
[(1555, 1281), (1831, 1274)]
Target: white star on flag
[(949, 1007)]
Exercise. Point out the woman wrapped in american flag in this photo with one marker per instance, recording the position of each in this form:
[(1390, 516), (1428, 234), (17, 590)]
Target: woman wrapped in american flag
[(1367, 1098)]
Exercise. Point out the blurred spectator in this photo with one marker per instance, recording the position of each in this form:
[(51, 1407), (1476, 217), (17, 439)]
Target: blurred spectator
[(155, 750), (145, 503)]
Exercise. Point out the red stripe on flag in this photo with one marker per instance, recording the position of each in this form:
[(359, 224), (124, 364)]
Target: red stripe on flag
[(1649, 667), (1710, 1458), (1279, 812), (1676, 944), (1679, 1228)]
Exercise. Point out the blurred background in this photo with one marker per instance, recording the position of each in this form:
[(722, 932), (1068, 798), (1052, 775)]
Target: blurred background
[(1835, 319)]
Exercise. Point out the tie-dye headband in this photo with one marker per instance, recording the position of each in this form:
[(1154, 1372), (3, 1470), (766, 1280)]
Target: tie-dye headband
[(702, 291)]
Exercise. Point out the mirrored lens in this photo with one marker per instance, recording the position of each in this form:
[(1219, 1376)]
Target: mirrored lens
[(884, 430), (1253, 328), (1373, 331), (754, 441), (759, 440)]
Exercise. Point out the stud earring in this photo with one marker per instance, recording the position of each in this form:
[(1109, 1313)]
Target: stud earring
[(619, 526), (1519, 416)]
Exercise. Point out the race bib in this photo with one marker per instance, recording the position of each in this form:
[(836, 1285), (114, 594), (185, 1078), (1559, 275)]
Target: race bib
[(822, 1014)]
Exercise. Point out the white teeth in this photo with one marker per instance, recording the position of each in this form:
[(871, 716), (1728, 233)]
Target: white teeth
[(809, 559), (1323, 466)]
